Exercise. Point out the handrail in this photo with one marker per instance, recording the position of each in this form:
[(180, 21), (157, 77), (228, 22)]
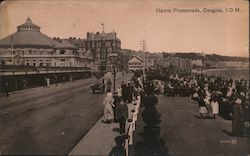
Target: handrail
[(131, 125)]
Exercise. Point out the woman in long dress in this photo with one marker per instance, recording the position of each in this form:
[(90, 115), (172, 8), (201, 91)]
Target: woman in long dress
[(108, 110), (238, 122)]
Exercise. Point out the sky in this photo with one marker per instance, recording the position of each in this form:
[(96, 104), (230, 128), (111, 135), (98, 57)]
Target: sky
[(223, 33)]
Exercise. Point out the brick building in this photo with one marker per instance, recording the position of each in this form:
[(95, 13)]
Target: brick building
[(101, 45)]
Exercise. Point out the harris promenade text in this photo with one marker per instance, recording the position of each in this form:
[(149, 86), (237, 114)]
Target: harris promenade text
[(197, 10)]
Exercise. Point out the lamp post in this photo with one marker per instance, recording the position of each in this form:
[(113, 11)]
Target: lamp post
[(113, 59)]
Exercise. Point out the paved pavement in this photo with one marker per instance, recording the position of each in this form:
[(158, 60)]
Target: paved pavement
[(184, 133), (49, 120), (100, 139)]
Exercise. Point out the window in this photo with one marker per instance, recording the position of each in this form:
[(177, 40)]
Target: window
[(62, 51)]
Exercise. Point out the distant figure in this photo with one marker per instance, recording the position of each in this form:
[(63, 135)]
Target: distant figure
[(238, 122), (202, 108), (124, 91), (56, 80), (108, 110), (7, 88), (119, 92), (108, 86), (122, 115), (215, 107), (47, 82), (104, 85), (130, 92), (115, 104)]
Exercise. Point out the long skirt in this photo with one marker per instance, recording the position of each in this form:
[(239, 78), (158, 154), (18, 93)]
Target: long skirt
[(215, 107), (202, 109), (108, 113), (238, 122)]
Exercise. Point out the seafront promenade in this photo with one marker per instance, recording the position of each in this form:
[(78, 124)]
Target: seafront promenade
[(183, 132), (100, 140)]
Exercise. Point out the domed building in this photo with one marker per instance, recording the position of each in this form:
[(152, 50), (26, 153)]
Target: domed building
[(28, 46)]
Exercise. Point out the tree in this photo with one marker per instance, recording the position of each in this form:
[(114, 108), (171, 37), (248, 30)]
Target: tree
[(151, 145)]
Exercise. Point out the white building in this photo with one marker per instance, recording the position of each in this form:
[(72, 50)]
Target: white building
[(134, 64), (28, 46)]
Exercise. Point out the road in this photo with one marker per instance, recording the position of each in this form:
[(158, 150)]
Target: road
[(50, 120), (184, 133)]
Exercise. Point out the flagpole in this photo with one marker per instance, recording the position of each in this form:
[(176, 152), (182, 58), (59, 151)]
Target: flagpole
[(102, 27)]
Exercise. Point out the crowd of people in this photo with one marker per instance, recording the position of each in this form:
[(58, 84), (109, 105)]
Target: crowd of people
[(215, 95), (116, 106)]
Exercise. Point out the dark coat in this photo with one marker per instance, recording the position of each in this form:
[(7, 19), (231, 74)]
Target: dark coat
[(238, 122), (122, 110)]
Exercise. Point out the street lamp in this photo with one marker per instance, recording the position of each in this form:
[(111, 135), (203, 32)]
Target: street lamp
[(113, 59)]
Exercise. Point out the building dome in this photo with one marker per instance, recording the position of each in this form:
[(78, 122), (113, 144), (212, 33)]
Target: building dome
[(28, 26), (27, 35)]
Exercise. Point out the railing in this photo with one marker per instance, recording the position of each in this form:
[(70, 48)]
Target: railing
[(131, 125), (24, 70)]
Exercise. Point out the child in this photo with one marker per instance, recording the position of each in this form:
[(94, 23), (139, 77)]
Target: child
[(215, 107), (202, 108)]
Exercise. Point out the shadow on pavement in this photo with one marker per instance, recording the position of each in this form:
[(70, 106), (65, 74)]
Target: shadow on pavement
[(232, 135), (227, 132), (205, 117), (226, 117), (151, 143)]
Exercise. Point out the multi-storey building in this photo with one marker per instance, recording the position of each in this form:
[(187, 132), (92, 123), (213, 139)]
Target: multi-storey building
[(86, 56), (179, 64), (101, 45), (28, 46)]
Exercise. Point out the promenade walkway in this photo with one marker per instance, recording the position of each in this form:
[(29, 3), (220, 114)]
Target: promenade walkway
[(183, 132), (101, 138)]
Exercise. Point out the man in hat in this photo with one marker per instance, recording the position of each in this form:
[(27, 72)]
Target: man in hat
[(122, 114), (114, 106)]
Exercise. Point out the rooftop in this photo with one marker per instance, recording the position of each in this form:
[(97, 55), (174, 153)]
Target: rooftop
[(102, 36), (29, 35)]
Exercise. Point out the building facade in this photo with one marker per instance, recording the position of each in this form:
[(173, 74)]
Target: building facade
[(135, 63), (178, 64), (86, 57), (29, 47), (101, 45)]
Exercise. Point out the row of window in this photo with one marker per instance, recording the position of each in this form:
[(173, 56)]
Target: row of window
[(32, 52), (40, 64), (10, 60), (134, 63), (25, 53), (106, 44)]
